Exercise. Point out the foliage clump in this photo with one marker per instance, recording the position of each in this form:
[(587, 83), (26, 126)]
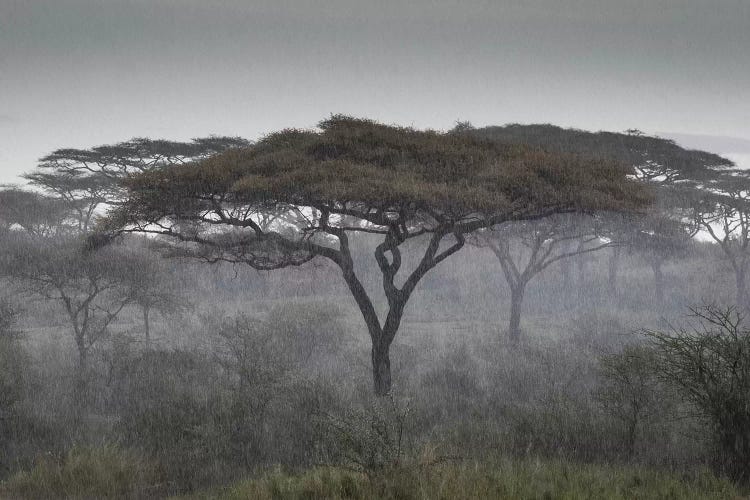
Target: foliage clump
[(709, 363)]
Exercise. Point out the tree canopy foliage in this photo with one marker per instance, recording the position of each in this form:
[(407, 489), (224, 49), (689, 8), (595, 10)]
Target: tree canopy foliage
[(695, 190), (654, 158), (84, 179)]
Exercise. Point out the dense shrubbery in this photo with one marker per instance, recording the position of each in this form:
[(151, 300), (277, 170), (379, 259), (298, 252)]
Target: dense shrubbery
[(289, 386)]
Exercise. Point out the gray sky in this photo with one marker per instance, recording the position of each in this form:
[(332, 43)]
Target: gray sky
[(78, 73)]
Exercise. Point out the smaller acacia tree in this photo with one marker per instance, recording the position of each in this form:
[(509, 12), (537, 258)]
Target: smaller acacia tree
[(709, 363), (34, 213), (354, 176), (659, 239), (86, 179), (722, 209), (151, 285), (542, 243), (90, 286)]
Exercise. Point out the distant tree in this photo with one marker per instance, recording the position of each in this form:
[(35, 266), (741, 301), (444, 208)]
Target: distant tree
[(13, 374), (86, 179), (32, 212), (90, 286), (541, 243), (360, 176), (151, 286), (659, 239), (693, 189), (722, 209)]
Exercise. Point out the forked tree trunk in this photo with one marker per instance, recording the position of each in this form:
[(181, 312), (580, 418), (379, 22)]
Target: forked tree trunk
[(380, 351), (382, 336)]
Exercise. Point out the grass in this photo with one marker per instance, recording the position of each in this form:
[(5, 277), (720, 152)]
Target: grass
[(104, 472), (504, 479), (110, 472)]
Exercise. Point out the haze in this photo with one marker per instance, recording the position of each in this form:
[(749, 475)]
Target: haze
[(82, 72)]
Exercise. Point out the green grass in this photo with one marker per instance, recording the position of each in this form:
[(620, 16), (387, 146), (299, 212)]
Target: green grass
[(502, 480), (109, 472), (105, 472)]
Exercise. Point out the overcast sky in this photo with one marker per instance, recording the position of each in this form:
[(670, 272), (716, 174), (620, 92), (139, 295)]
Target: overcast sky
[(78, 73)]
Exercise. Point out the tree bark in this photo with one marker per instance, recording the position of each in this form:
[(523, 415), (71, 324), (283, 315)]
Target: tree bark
[(381, 369), (516, 302), (80, 384)]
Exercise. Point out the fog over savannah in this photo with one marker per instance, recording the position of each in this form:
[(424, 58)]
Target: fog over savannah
[(349, 249)]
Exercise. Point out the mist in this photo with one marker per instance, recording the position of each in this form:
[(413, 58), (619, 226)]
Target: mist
[(331, 249)]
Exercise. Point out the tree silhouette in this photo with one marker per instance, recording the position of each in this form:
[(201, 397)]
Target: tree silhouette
[(354, 175)]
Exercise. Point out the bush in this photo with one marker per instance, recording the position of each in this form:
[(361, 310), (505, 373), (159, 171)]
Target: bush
[(171, 405), (709, 363), (369, 439), (631, 392)]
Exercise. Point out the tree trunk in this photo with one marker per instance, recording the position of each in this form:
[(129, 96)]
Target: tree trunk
[(80, 384), (614, 267), (516, 301), (381, 369), (146, 327)]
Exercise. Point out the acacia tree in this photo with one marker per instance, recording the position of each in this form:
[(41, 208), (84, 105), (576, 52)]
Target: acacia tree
[(355, 175), (150, 286), (86, 179), (659, 239), (33, 212), (693, 189), (542, 243), (722, 209), (90, 286)]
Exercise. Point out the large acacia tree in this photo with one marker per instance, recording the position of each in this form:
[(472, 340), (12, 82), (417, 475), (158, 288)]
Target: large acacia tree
[(358, 176)]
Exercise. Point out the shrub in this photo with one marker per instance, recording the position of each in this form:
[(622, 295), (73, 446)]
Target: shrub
[(632, 392), (369, 439), (709, 363)]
